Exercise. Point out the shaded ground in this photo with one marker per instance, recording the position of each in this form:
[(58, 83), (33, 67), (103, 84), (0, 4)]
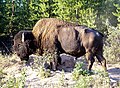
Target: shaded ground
[(114, 74), (57, 80)]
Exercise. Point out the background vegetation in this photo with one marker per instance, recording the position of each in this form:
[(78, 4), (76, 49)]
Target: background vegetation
[(103, 15)]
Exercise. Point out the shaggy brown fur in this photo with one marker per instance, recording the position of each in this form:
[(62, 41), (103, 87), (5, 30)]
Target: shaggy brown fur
[(59, 36), (47, 27), (47, 24)]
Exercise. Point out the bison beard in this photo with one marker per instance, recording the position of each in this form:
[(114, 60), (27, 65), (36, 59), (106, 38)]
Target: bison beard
[(59, 36)]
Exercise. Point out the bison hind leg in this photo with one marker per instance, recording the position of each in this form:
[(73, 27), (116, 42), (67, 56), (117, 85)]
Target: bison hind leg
[(102, 61)]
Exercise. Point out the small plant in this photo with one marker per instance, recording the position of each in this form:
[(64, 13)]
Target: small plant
[(78, 70), (62, 78), (83, 82), (44, 73), (2, 76)]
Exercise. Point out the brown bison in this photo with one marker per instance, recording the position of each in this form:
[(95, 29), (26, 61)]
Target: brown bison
[(60, 36)]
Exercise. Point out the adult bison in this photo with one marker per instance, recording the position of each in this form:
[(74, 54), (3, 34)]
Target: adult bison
[(59, 36)]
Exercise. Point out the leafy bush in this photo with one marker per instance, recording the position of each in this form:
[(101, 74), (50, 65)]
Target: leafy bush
[(2, 75), (117, 14), (112, 44)]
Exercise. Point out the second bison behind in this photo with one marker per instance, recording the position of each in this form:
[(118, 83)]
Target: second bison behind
[(60, 36)]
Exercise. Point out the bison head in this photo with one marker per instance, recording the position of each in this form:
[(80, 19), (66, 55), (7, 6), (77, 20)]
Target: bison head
[(24, 44)]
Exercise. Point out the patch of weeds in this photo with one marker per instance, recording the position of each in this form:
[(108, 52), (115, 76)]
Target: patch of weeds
[(48, 57), (62, 79), (2, 76), (44, 73), (99, 80), (45, 58), (42, 64), (16, 82), (84, 79), (84, 82), (102, 74), (78, 70)]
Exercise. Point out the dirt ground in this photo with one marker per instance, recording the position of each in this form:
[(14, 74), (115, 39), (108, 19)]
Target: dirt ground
[(33, 81)]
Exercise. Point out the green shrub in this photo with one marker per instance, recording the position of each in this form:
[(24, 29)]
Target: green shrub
[(78, 70), (112, 44), (83, 82), (44, 73)]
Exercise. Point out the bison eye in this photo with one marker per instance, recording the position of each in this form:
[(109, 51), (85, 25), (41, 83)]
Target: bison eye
[(19, 45), (18, 54)]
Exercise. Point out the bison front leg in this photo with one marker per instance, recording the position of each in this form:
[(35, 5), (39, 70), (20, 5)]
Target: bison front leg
[(55, 61), (53, 64), (90, 59)]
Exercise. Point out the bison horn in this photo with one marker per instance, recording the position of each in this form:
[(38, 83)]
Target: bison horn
[(23, 37)]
